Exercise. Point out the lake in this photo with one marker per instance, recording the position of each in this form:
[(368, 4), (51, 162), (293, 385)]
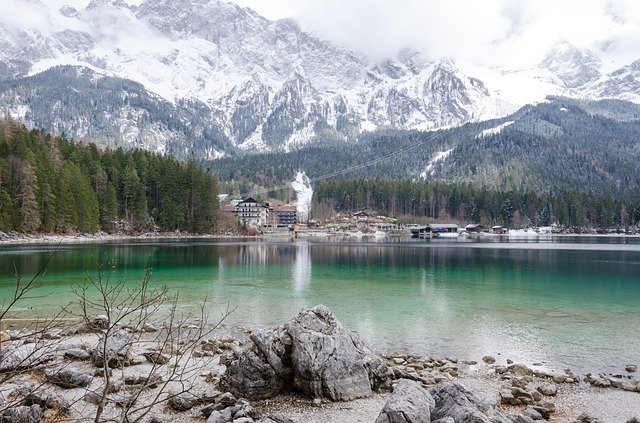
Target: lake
[(565, 301)]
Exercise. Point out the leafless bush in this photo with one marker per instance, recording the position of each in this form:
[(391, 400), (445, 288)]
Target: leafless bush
[(155, 322), (128, 320)]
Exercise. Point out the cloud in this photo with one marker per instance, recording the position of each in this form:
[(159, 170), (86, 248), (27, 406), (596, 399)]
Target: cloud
[(19, 14), (502, 32)]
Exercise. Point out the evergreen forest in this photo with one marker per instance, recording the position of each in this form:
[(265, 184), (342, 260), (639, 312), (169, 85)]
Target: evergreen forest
[(52, 185), (465, 203)]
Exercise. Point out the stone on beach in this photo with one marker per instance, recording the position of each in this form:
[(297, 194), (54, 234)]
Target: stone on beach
[(409, 403), (22, 414), (115, 350), (453, 400), (488, 359), (183, 401), (25, 357), (68, 378)]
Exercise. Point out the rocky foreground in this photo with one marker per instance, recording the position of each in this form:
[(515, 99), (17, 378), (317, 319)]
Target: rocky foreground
[(309, 369)]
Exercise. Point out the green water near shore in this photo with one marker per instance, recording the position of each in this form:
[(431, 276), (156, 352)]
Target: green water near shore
[(569, 302)]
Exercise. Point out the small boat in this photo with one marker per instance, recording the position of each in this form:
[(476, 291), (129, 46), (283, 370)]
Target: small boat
[(379, 234)]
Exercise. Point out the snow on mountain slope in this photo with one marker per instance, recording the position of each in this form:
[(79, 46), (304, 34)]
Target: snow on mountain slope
[(494, 131), (437, 158), (254, 84)]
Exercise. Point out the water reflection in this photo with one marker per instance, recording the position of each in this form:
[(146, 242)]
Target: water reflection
[(301, 271), (555, 302)]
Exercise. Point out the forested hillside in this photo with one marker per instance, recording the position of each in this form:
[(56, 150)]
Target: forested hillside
[(464, 203), (51, 185), (558, 146)]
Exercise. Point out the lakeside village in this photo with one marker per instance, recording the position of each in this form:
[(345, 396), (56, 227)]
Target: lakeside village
[(270, 219)]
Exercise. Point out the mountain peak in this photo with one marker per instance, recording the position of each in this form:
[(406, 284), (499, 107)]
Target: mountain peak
[(574, 67)]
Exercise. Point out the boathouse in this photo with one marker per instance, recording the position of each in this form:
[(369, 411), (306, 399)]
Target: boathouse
[(474, 228)]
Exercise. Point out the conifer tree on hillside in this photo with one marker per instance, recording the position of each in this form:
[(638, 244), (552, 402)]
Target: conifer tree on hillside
[(49, 184)]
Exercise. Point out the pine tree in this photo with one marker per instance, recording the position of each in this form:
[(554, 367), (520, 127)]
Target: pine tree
[(27, 217)]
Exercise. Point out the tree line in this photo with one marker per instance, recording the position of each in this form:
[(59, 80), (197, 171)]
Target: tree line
[(52, 185), (465, 203)]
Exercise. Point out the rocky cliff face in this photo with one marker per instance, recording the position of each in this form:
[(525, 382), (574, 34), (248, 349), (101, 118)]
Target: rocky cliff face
[(217, 78)]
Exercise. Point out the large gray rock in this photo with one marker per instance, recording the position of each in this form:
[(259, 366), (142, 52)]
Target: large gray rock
[(249, 375), (453, 400), (409, 403), (68, 378), (115, 351), (324, 357), (22, 414), (312, 353)]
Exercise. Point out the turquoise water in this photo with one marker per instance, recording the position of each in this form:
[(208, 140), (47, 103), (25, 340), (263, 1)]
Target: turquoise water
[(569, 302)]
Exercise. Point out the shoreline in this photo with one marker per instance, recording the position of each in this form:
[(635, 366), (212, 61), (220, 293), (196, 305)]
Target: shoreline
[(487, 379), (79, 239)]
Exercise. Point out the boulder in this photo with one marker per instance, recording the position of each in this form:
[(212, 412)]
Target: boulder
[(314, 354), (631, 368), (587, 418), (222, 416), (183, 401), (409, 403), (147, 380), (93, 324), (32, 394), (25, 357), (275, 418), (115, 351), (453, 400), (156, 357), (488, 359), (519, 418), (78, 354), (249, 375), (68, 378), (532, 414), (520, 369), (22, 414), (324, 357)]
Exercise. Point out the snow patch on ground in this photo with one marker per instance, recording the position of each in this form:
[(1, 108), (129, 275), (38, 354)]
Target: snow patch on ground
[(254, 142), (300, 137), (367, 126), (438, 157), (302, 186), (493, 131), (19, 113), (213, 154)]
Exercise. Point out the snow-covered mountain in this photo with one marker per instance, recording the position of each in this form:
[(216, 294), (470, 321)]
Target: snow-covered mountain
[(210, 78)]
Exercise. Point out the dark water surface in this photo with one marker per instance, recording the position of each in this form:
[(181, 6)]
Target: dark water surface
[(569, 302)]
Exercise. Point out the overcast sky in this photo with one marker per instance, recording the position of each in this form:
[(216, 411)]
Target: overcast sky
[(507, 32)]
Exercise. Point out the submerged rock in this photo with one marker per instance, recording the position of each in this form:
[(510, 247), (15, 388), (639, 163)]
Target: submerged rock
[(409, 403)]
